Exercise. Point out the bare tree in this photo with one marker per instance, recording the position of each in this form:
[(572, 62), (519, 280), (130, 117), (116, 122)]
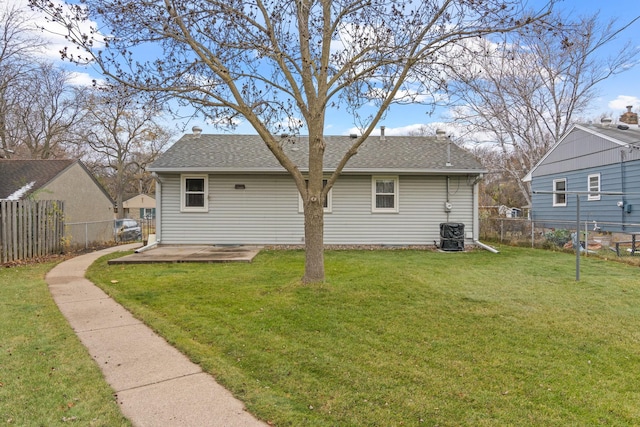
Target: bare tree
[(18, 46), (280, 64), (124, 134), (523, 91), (46, 110)]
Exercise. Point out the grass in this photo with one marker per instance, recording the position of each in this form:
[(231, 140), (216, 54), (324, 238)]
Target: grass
[(47, 377), (405, 337)]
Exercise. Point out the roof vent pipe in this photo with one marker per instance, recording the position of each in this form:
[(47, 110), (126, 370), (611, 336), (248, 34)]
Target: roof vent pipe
[(353, 135), (197, 130), (441, 134), (605, 122), (382, 137)]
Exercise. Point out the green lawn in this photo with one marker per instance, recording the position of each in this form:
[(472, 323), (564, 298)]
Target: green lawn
[(405, 337), (47, 378)]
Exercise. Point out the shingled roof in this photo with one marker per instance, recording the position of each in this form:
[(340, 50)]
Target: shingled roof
[(249, 154), (19, 178)]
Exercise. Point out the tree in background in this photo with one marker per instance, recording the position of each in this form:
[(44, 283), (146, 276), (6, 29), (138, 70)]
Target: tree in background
[(522, 92), (18, 47), (280, 64), (124, 134), (45, 112)]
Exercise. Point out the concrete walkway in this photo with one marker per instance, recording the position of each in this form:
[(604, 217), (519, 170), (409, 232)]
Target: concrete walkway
[(155, 384)]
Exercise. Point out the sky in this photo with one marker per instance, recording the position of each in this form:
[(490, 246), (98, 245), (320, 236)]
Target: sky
[(614, 94)]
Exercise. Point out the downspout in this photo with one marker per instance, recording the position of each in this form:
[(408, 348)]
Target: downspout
[(156, 240), (476, 217), (486, 247)]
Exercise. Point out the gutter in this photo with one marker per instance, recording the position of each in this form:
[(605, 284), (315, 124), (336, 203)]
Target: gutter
[(483, 246)]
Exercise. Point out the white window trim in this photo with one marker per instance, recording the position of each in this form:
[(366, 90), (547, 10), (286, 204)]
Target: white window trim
[(396, 198), (593, 196), (183, 185), (555, 204), (329, 207)]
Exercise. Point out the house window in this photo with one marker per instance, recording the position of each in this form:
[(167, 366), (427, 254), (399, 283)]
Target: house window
[(384, 194), (327, 201), (559, 185), (194, 193), (147, 213), (593, 184)]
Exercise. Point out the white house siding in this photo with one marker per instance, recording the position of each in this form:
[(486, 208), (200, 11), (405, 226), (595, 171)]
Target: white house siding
[(421, 210), (266, 211)]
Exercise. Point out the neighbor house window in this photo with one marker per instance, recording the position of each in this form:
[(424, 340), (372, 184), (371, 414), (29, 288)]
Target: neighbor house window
[(147, 213), (384, 194), (559, 185), (327, 201), (593, 183), (194, 193)]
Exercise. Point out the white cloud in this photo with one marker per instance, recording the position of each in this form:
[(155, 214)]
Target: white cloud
[(621, 102), (50, 32), (83, 79)]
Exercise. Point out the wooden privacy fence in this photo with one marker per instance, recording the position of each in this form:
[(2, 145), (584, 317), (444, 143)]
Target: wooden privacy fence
[(30, 229)]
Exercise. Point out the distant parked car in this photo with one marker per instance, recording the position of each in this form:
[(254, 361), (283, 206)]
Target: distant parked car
[(126, 230)]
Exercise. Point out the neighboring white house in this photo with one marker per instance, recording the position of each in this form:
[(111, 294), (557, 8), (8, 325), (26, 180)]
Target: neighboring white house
[(229, 189)]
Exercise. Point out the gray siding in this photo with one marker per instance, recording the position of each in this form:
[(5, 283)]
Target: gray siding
[(583, 150), (266, 211), (603, 211)]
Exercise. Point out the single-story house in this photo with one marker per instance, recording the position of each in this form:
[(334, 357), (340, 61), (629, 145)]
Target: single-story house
[(396, 190), (595, 159), (88, 208), (139, 207)]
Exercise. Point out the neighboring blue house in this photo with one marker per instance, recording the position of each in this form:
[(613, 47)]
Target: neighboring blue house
[(397, 190), (603, 157)]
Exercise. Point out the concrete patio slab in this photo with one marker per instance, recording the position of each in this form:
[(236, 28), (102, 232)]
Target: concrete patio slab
[(190, 253)]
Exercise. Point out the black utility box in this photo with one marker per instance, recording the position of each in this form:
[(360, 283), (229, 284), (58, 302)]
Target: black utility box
[(452, 236)]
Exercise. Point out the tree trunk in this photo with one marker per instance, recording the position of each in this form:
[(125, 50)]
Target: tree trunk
[(314, 241), (313, 207)]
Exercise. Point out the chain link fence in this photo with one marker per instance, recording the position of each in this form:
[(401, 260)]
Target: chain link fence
[(525, 232), (96, 233)]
